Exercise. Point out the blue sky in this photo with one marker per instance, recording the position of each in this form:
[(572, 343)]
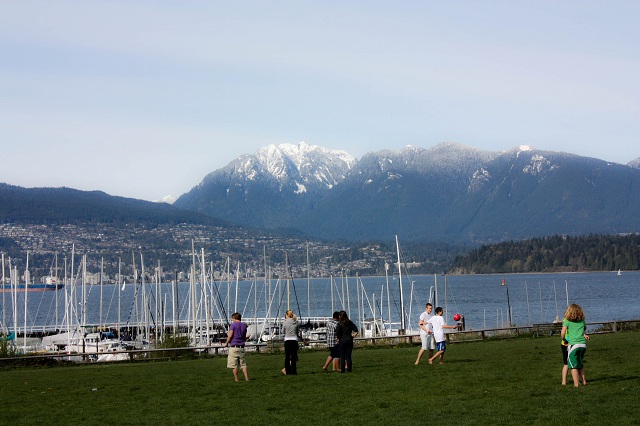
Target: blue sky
[(143, 98)]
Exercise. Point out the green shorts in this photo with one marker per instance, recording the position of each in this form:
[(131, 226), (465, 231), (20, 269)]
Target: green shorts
[(575, 358)]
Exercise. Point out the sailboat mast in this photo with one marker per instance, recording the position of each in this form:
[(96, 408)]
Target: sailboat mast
[(56, 283), (386, 276), (235, 303), (4, 314), (435, 291), (358, 292), (229, 289), (119, 291), (158, 304), (84, 289), (446, 303), (346, 280), (286, 262), (145, 301), (14, 287), (308, 286), (203, 275), (555, 296), (101, 273), (26, 294), (402, 325), (67, 315), (192, 282), (331, 289)]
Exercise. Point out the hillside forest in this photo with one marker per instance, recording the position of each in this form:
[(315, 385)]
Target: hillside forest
[(554, 254)]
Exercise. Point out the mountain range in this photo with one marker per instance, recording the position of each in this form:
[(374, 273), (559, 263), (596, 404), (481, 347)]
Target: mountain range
[(448, 193)]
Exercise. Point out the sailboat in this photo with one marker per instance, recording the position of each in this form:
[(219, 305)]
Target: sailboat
[(619, 272)]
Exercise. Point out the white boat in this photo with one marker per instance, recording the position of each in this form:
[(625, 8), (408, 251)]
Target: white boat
[(373, 328), (315, 336), (619, 272), (99, 345), (272, 333), (57, 342)]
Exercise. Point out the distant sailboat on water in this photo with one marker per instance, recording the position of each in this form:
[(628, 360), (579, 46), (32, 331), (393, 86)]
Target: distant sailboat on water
[(619, 272)]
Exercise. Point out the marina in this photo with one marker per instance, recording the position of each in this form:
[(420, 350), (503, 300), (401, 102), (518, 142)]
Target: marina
[(143, 313)]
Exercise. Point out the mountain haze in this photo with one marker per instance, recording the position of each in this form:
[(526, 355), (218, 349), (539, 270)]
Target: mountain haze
[(449, 193)]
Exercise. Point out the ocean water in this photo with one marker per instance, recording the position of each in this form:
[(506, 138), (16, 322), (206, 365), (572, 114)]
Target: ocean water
[(482, 299)]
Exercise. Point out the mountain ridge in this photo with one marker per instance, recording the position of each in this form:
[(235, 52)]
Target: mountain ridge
[(450, 192), (67, 205)]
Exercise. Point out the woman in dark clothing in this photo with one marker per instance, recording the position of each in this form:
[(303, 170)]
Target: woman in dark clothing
[(345, 332)]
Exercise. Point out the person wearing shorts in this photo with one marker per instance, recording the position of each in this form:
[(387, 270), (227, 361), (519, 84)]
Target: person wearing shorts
[(437, 321), (574, 331), (332, 343), (426, 335), (236, 340)]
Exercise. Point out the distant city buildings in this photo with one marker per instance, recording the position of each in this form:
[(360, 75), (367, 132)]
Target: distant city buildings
[(167, 252)]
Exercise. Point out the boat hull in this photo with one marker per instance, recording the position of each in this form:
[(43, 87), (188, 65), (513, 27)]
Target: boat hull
[(21, 288)]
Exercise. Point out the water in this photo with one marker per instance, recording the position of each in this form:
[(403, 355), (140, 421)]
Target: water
[(534, 298)]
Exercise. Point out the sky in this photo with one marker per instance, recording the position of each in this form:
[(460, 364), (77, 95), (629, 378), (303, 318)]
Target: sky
[(142, 99)]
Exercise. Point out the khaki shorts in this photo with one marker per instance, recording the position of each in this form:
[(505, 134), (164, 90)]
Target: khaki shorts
[(236, 358), (428, 341)]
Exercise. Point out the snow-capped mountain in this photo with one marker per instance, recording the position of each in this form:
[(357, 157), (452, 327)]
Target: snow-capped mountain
[(298, 168), (449, 192)]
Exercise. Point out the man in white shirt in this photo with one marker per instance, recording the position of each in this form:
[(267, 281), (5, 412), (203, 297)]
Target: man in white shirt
[(426, 336)]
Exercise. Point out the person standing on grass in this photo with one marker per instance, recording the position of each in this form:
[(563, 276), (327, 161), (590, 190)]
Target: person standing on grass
[(332, 343), (428, 342), (345, 332), (290, 329), (438, 324), (236, 340), (564, 347), (574, 331)]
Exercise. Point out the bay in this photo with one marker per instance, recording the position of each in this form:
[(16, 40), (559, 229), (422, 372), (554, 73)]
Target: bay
[(482, 299)]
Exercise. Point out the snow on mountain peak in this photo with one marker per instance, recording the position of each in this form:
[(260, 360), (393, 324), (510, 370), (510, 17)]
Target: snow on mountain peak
[(303, 165), (169, 199), (538, 165)]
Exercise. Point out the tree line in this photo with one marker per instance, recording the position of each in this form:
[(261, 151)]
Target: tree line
[(554, 254)]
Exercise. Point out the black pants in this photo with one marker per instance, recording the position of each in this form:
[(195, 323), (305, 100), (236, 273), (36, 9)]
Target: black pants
[(290, 356), (345, 355)]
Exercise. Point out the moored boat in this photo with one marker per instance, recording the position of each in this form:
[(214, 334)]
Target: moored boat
[(21, 288)]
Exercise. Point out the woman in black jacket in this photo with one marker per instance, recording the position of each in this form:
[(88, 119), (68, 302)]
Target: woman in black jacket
[(345, 332)]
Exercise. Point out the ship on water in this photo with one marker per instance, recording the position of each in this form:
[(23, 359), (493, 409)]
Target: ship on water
[(11, 283), (49, 283)]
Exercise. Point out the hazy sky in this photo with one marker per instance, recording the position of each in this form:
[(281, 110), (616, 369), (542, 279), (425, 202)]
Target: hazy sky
[(143, 98)]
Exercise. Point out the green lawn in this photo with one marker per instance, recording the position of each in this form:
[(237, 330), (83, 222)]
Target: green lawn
[(513, 381)]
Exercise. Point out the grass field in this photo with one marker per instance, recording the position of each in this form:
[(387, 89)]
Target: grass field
[(513, 381)]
